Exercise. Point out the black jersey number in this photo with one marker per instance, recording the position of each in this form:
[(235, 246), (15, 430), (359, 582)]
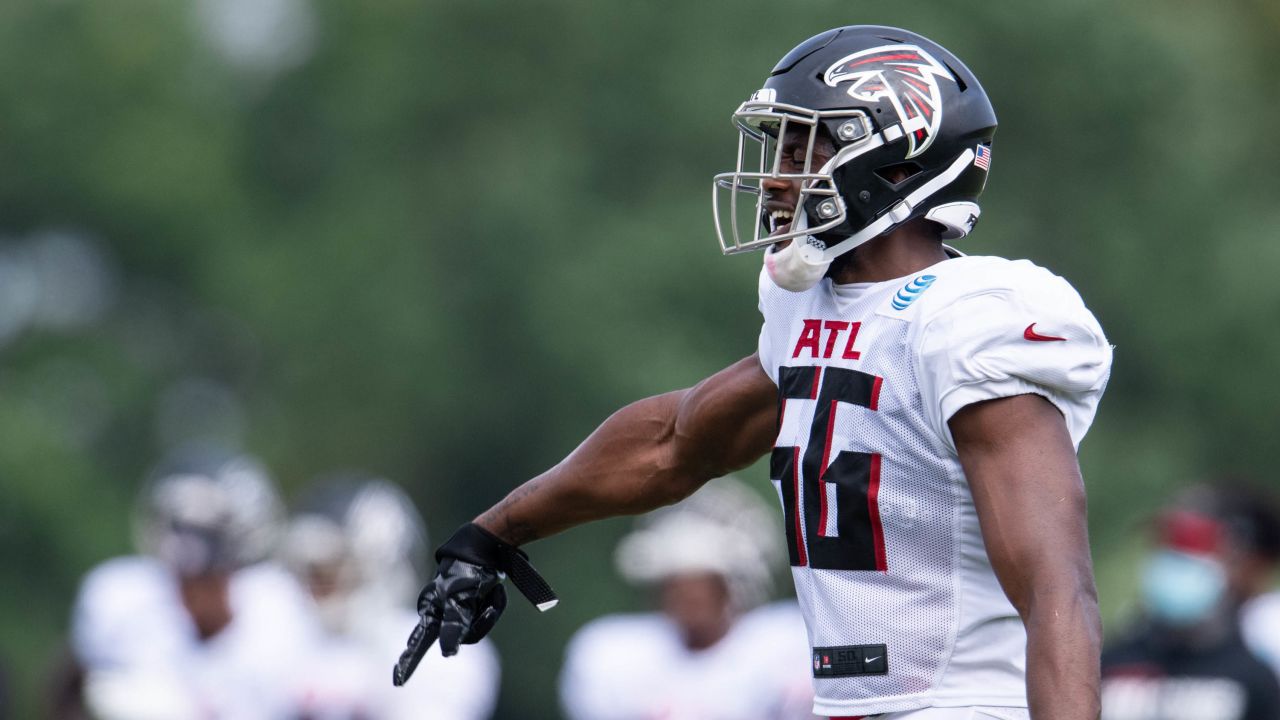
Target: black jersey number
[(812, 480)]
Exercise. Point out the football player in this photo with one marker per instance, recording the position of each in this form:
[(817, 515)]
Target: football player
[(1251, 519), (921, 409), (197, 625), (356, 545), (709, 558), (1185, 657)]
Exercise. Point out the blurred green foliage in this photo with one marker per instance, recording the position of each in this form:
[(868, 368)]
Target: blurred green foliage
[(444, 240)]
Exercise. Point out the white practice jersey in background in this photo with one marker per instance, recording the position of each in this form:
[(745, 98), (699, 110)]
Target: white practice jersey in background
[(636, 667), (348, 676), (1260, 626), (274, 661), (902, 607), (143, 659)]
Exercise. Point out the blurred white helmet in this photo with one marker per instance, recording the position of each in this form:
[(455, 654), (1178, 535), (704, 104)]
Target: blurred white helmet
[(723, 528), (358, 542), (205, 510)]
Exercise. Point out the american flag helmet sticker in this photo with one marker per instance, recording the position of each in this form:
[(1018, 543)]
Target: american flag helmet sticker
[(982, 157)]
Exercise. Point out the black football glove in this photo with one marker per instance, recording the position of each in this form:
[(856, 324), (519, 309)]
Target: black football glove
[(463, 601)]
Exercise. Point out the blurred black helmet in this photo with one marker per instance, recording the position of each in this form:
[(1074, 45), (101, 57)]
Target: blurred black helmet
[(895, 106)]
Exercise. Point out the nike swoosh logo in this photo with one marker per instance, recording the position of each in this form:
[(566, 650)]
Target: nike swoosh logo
[(1031, 334), (871, 659)]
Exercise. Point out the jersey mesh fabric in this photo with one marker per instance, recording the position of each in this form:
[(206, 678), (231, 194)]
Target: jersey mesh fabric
[(917, 509), (931, 598)]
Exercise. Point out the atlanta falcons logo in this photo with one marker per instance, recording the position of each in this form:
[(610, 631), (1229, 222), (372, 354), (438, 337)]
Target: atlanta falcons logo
[(908, 77)]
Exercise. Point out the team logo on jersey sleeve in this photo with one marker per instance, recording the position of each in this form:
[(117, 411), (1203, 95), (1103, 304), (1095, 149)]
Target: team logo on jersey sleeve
[(907, 77)]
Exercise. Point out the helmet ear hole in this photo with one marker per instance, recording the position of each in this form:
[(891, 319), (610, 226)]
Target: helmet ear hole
[(960, 83), (898, 173)]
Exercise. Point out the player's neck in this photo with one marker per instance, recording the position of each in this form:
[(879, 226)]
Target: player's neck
[(905, 251)]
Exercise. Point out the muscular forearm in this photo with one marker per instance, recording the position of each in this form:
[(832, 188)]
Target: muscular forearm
[(648, 454), (1064, 638), (626, 466)]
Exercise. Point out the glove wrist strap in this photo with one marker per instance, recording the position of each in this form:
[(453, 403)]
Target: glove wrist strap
[(478, 546)]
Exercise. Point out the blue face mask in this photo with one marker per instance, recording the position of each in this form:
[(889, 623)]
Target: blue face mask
[(1181, 589)]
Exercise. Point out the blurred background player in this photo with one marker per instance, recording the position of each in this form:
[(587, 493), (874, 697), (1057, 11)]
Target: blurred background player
[(357, 544), (1185, 657), (712, 650), (197, 625), (1251, 524)]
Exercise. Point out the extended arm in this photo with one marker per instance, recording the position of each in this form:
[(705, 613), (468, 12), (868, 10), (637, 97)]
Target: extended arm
[(1021, 465), (648, 454)]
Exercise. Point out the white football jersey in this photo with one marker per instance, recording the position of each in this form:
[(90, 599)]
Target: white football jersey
[(143, 658), (1260, 626), (345, 676), (902, 607), (636, 667)]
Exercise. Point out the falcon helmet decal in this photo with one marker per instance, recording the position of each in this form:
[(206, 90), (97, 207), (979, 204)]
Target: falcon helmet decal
[(907, 76)]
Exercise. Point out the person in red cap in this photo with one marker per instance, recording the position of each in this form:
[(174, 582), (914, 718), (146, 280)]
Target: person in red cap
[(1185, 658)]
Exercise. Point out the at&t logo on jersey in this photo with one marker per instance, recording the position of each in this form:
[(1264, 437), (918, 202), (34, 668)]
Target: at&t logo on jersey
[(911, 291)]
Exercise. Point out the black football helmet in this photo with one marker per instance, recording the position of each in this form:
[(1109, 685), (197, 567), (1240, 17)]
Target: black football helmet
[(895, 106)]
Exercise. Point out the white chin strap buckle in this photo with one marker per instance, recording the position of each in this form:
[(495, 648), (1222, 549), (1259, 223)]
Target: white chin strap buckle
[(900, 212)]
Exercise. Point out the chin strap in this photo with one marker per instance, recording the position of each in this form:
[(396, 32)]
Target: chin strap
[(898, 213), (802, 264)]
